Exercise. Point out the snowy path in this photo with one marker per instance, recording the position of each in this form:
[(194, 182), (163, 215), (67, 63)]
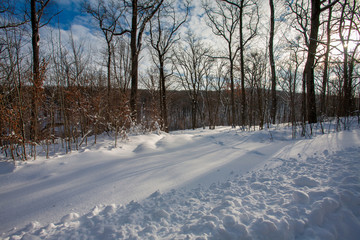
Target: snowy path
[(292, 186)]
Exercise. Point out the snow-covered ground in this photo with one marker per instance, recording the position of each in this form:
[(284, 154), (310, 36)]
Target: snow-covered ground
[(195, 184)]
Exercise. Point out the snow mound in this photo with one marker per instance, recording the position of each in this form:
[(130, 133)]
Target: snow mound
[(305, 181)]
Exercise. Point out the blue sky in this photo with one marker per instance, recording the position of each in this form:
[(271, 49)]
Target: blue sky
[(70, 12)]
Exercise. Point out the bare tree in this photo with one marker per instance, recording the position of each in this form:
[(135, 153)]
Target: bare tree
[(10, 15), (107, 15), (316, 10), (214, 85), (13, 101), (37, 12), (289, 78), (249, 20), (163, 36), (121, 64), (191, 62), (301, 12), (273, 107), (255, 69), (348, 25), (224, 20), (141, 14), (326, 63)]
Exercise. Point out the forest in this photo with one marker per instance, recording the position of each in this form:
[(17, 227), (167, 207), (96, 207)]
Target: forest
[(264, 62)]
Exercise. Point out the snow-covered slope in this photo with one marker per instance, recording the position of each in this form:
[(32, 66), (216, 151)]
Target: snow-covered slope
[(202, 184)]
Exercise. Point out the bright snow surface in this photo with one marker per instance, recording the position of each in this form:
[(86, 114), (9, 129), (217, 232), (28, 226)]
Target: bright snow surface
[(195, 184)]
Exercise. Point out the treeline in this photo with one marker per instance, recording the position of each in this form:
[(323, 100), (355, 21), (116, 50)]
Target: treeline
[(301, 67)]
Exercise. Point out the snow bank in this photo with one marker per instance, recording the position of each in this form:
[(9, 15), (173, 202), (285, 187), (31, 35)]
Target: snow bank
[(315, 195)]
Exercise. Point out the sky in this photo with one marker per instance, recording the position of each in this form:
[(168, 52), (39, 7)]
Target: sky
[(71, 15), (71, 20)]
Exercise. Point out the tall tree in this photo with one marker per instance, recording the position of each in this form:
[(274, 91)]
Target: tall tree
[(107, 15), (192, 61), (135, 16), (163, 29), (141, 14), (37, 12), (316, 9), (252, 25), (326, 63), (348, 24), (224, 20), (272, 62)]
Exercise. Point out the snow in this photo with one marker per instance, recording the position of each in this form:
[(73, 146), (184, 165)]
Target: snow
[(194, 184)]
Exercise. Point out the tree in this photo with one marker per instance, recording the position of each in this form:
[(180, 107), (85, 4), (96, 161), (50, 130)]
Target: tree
[(107, 15), (255, 69), (289, 77), (141, 14), (10, 15), (326, 63), (191, 62), (348, 24), (252, 25), (316, 10), (311, 40), (13, 111), (272, 62), (37, 12), (163, 29), (214, 85), (224, 20)]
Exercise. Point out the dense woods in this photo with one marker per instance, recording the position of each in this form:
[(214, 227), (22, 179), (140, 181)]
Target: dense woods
[(295, 62)]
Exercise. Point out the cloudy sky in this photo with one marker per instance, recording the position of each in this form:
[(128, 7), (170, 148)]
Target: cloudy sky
[(73, 21), (71, 17)]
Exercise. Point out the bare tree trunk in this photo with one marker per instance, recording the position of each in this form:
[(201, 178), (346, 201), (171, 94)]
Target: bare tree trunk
[(163, 104), (108, 66), (326, 64), (35, 38), (310, 62), (272, 63), (348, 65), (134, 61), (242, 68)]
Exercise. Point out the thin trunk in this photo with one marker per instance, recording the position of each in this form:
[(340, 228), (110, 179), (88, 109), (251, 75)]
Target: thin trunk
[(242, 68), (233, 124), (163, 96), (272, 63), (108, 65), (326, 64), (193, 112)]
